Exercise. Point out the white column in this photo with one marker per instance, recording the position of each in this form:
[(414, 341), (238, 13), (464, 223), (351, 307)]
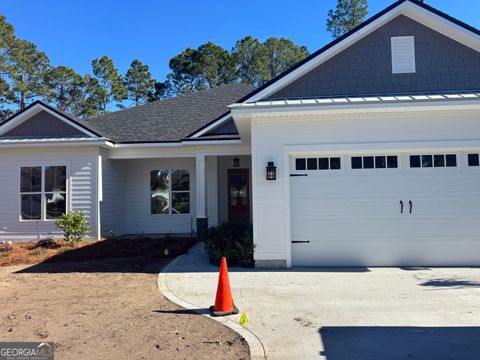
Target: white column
[(200, 186)]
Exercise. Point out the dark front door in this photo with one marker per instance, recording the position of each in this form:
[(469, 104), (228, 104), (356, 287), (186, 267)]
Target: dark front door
[(238, 195)]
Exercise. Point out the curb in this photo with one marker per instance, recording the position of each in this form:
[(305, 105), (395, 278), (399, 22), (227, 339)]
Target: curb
[(257, 351)]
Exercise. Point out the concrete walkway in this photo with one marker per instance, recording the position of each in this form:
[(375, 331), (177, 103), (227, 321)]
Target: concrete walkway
[(342, 314)]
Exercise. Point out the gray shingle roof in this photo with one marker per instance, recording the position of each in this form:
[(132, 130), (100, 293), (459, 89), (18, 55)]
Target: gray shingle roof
[(171, 119)]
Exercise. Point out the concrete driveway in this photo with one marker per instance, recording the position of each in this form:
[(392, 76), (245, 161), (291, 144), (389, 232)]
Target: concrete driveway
[(340, 314)]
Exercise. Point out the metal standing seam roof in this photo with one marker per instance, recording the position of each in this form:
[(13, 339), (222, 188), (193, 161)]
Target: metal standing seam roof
[(360, 100)]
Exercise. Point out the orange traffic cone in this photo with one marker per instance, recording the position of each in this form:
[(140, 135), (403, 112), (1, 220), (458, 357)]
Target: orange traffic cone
[(223, 301)]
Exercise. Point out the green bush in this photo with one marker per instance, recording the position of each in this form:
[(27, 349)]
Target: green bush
[(232, 240), (74, 226)]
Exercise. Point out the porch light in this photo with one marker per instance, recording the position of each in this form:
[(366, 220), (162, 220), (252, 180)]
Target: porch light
[(236, 162), (271, 171)]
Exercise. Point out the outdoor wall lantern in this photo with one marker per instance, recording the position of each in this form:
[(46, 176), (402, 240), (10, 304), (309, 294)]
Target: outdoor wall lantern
[(236, 162), (271, 171)]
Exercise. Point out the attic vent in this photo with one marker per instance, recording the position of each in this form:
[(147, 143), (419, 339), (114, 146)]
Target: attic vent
[(403, 54)]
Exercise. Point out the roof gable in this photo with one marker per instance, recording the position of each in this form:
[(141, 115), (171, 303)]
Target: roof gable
[(40, 120), (414, 9), (442, 65)]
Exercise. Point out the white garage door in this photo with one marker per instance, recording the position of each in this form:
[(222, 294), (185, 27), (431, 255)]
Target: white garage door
[(410, 209)]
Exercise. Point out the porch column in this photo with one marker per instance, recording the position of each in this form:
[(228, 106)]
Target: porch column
[(202, 221)]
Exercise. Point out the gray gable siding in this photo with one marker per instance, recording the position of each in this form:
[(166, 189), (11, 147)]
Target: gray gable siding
[(365, 68), (43, 125), (227, 128)]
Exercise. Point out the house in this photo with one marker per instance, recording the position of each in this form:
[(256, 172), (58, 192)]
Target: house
[(372, 146)]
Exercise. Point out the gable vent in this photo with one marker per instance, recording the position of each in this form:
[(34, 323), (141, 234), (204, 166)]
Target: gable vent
[(403, 54)]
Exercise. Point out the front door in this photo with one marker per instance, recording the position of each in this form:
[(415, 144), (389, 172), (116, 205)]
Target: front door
[(238, 195)]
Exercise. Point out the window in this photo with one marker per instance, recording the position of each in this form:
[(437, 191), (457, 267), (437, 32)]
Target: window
[(324, 163), (403, 55), (43, 192), (169, 192), (300, 164), (374, 162), (473, 160), (437, 161)]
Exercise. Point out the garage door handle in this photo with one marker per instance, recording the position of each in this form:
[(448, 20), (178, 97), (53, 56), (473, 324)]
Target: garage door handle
[(300, 242), (401, 207), (411, 205)]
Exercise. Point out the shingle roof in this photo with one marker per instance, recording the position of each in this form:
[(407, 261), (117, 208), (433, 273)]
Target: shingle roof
[(171, 119)]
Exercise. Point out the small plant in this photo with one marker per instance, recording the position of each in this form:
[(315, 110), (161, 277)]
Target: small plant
[(74, 226), (233, 240), (6, 246), (140, 236), (169, 237), (47, 243)]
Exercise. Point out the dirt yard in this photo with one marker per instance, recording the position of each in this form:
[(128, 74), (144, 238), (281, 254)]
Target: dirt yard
[(107, 308)]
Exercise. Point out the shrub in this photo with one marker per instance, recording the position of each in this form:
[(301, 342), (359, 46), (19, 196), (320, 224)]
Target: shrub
[(74, 226), (233, 240)]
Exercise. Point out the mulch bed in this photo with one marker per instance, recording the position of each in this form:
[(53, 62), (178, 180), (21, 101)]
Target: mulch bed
[(60, 251)]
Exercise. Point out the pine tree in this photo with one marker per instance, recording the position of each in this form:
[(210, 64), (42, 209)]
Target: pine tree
[(348, 15)]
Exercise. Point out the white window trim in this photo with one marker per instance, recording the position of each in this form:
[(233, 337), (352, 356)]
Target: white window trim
[(43, 193), (170, 192)]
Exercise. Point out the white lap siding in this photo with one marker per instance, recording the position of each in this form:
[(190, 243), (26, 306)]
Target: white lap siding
[(82, 165), (273, 139), (138, 213), (112, 206)]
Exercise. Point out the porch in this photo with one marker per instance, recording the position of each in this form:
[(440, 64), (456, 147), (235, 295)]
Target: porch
[(143, 194)]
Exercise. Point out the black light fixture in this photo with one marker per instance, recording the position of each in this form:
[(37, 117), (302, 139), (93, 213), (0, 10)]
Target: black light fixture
[(236, 162), (271, 171)]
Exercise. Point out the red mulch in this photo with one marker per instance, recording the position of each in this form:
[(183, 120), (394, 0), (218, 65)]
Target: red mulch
[(60, 250)]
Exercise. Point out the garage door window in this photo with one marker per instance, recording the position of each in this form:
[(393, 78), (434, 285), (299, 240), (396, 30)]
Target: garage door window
[(324, 163), (473, 160), (374, 162), (429, 161)]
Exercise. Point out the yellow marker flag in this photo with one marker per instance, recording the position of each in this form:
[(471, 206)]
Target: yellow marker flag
[(243, 319), (166, 252)]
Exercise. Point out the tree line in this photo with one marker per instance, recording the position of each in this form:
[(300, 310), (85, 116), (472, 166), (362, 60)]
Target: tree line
[(26, 73)]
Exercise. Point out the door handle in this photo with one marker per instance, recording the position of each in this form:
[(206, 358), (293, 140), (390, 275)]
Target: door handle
[(401, 207), (411, 205)]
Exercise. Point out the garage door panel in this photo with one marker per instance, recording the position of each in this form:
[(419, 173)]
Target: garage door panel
[(397, 252), (353, 218)]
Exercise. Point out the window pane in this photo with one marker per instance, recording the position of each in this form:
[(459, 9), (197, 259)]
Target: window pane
[(55, 178), (380, 162), (180, 180), (181, 203), (415, 161), (56, 205), (31, 207), (473, 160), (159, 180), (160, 203), (438, 160), (368, 162), (356, 162), (300, 164), (31, 179), (312, 164), (392, 162), (323, 163), (451, 160), (335, 164), (427, 161)]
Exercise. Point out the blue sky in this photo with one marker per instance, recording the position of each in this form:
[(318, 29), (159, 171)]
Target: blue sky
[(73, 32)]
